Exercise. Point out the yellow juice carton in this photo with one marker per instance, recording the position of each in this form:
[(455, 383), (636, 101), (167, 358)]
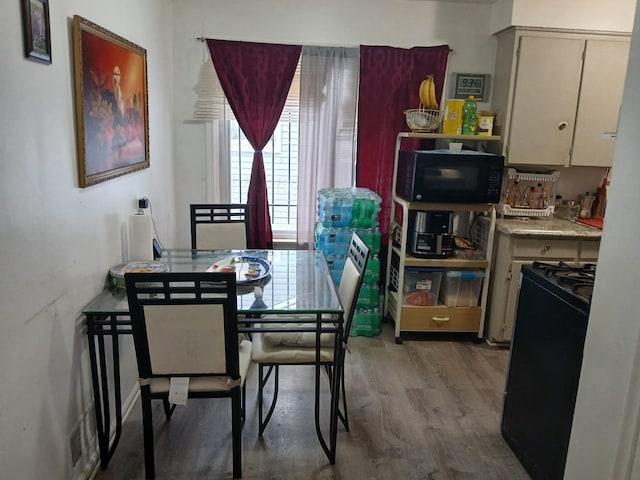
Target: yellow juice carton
[(452, 122), (485, 123)]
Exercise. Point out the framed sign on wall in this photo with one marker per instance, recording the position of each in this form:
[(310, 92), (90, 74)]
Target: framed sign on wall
[(471, 84), (36, 30), (112, 118)]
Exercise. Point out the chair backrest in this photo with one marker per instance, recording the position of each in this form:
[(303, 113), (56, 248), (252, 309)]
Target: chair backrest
[(219, 226), (351, 279), (184, 323)]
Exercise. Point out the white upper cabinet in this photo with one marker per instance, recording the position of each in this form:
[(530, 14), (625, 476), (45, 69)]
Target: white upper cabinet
[(557, 96), (605, 68)]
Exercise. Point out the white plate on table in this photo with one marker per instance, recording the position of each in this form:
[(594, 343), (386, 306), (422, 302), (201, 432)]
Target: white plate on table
[(247, 269)]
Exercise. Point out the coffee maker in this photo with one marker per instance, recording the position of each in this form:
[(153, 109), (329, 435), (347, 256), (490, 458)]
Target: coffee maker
[(430, 234)]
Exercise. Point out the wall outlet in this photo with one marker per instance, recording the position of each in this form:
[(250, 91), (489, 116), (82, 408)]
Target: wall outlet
[(75, 445), (143, 202)]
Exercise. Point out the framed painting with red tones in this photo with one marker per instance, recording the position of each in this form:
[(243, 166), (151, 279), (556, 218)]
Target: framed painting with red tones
[(36, 30), (112, 119)]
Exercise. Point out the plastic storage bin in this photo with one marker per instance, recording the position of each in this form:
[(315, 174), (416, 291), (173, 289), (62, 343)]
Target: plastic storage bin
[(461, 288), (422, 286)]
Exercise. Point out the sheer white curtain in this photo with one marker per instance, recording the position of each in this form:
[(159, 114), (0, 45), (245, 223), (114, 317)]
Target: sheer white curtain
[(213, 110), (327, 143)]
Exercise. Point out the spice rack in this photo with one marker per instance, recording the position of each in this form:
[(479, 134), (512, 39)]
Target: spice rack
[(527, 180)]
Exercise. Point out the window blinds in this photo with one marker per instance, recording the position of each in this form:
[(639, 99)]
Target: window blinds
[(211, 103)]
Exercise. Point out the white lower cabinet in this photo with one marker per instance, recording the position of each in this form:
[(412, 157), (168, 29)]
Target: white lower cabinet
[(510, 254)]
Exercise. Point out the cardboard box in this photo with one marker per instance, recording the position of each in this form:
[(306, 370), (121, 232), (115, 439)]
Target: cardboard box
[(452, 122), (485, 123)]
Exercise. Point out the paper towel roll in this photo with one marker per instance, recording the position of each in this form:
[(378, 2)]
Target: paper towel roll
[(140, 237)]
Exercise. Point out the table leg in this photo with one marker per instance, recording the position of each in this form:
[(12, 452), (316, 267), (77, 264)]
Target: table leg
[(334, 379), (103, 436), (100, 382), (335, 392)]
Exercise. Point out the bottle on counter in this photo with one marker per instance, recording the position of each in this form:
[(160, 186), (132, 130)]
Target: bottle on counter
[(544, 198), (529, 197), (470, 116), (512, 196), (600, 202), (535, 196), (586, 203)]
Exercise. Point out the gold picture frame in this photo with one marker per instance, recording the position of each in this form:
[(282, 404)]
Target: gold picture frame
[(112, 118)]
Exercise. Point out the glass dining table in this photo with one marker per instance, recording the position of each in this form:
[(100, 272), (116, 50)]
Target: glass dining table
[(284, 282)]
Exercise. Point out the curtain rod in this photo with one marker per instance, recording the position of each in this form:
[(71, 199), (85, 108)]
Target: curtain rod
[(204, 39)]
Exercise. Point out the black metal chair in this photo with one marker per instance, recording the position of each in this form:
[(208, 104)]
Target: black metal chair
[(270, 350), (184, 324), (219, 226)]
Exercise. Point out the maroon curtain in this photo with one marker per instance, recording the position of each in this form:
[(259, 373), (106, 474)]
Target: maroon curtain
[(389, 82), (256, 78)]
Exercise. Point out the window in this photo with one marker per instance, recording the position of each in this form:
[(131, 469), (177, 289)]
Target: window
[(318, 126), (280, 157)]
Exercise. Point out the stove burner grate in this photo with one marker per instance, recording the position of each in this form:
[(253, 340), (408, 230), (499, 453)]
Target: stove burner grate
[(579, 278)]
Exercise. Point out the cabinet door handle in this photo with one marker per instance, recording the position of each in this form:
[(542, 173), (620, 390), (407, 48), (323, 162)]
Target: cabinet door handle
[(562, 125), (440, 319), (546, 247)]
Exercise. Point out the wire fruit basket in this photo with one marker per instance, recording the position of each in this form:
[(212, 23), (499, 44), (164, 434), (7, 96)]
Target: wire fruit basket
[(423, 120)]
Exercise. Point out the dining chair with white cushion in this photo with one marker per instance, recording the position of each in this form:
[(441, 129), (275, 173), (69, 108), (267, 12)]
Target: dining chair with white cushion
[(272, 349), (219, 225), (185, 326)]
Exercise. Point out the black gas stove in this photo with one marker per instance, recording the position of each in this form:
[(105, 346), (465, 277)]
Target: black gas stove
[(544, 365), (577, 280)]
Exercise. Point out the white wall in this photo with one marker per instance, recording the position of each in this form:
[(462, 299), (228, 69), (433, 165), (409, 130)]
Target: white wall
[(606, 422), (57, 241), (612, 15)]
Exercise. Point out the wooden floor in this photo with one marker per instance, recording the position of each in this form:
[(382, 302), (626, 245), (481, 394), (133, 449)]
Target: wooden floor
[(427, 409)]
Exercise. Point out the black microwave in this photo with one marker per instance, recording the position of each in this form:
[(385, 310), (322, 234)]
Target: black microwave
[(439, 176)]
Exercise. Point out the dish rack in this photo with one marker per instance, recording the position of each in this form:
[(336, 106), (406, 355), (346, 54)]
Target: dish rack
[(527, 180)]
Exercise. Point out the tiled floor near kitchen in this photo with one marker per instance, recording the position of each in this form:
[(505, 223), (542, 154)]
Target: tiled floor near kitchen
[(426, 409)]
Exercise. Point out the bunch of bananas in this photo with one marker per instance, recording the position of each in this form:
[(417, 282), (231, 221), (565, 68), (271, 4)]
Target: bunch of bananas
[(427, 93)]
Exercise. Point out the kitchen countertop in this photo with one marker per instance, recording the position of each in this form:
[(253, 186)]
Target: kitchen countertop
[(546, 227)]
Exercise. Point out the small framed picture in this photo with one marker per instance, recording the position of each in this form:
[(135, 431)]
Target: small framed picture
[(36, 29)]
